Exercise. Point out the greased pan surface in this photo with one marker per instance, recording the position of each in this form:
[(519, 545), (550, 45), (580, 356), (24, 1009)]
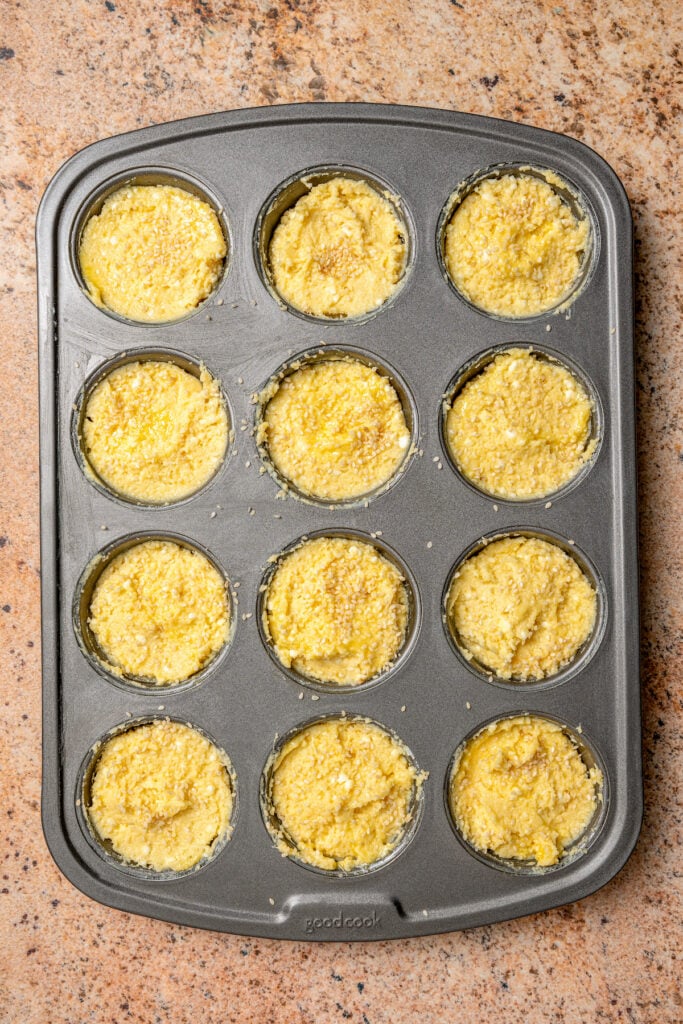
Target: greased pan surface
[(428, 518)]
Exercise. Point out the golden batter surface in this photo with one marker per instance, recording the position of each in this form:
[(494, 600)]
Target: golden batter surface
[(152, 253), (335, 429), (336, 610), (339, 251), (161, 794), (513, 247), (155, 433), (159, 612), (343, 792), (521, 607), (521, 790), (521, 428)]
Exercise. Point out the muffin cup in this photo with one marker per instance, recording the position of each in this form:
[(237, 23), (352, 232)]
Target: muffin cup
[(104, 847), (412, 626), (277, 832), (339, 353), (473, 367), (88, 642), (570, 195), (147, 176), (581, 845), (142, 355), (584, 654), (288, 193)]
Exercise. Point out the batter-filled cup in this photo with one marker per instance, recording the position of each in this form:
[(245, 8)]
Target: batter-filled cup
[(156, 614), (339, 248), (334, 428), (337, 611), (520, 427), (152, 253), (341, 795), (154, 430), (160, 796), (517, 242), (521, 609), (522, 793)]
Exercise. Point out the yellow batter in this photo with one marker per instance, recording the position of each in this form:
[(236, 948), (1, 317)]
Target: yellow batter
[(161, 794), (152, 253), (521, 790), (521, 607), (343, 793), (513, 247), (159, 612), (336, 610), (154, 432), (335, 429), (339, 251), (521, 428)]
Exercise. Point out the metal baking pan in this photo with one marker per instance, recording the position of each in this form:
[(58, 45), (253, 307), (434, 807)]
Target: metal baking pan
[(429, 518)]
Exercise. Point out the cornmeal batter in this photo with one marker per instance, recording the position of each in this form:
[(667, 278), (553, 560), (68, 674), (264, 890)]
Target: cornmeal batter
[(343, 793), (521, 790), (152, 253), (339, 251), (336, 610), (162, 795), (521, 607), (521, 428), (153, 432), (513, 247), (159, 612), (335, 429)]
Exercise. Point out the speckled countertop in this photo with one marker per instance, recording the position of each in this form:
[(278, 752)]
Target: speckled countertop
[(608, 74)]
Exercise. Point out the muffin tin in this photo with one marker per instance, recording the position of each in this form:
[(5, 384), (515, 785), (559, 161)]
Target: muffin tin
[(429, 517)]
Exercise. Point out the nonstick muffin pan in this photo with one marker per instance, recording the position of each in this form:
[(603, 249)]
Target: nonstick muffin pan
[(428, 518)]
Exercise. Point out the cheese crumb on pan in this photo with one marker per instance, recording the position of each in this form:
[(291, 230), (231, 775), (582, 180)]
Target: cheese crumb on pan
[(161, 794), (522, 427), (153, 432), (513, 247), (521, 790), (336, 611), (342, 792), (335, 429), (521, 607), (152, 253), (159, 612), (339, 251)]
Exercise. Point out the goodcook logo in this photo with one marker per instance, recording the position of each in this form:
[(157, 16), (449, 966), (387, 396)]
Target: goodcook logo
[(342, 921)]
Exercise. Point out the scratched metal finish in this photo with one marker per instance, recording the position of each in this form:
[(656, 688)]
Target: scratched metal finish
[(429, 517)]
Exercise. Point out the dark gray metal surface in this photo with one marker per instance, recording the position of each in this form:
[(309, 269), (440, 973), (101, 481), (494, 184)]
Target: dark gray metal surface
[(426, 333)]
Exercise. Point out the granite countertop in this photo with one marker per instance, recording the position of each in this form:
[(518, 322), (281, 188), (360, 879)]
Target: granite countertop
[(72, 73)]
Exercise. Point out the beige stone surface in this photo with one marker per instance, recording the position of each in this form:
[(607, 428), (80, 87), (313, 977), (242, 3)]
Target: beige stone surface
[(608, 74)]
